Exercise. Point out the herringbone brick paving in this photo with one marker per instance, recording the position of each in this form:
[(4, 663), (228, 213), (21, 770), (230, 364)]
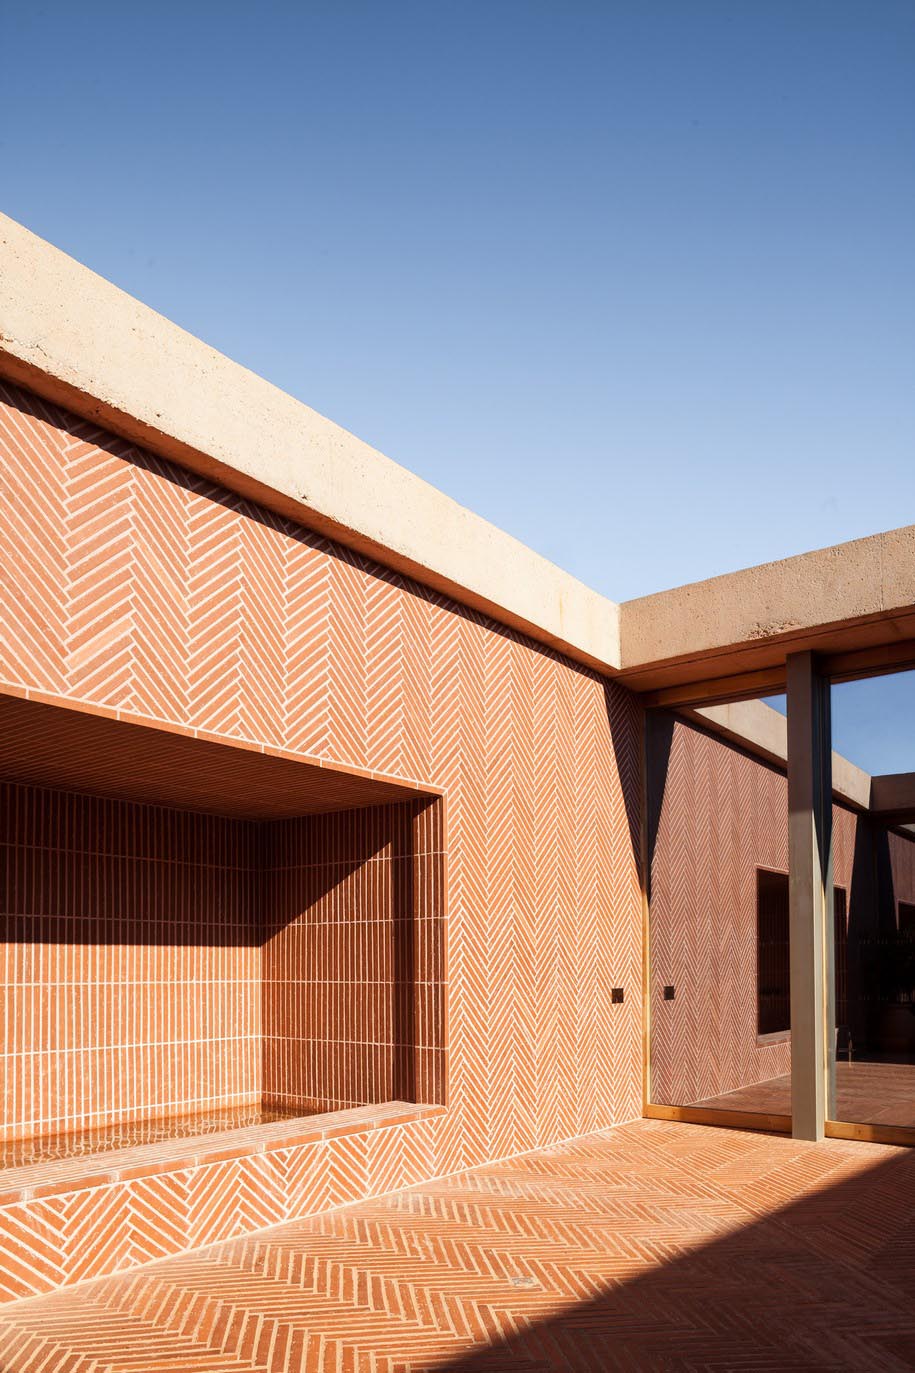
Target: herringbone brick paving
[(652, 1246)]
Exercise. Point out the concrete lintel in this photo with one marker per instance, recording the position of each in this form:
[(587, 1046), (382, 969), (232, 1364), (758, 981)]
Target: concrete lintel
[(892, 797), (77, 340), (856, 596)]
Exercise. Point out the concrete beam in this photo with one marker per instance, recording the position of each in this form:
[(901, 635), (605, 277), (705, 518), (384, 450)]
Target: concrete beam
[(810, 899), (856, 597), (80, 342), (892, 797)]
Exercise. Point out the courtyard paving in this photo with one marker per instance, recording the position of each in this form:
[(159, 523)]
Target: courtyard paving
[(651, 1246)]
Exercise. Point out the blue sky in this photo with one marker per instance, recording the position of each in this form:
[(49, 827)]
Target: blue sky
[(633, 280), (872, 722)]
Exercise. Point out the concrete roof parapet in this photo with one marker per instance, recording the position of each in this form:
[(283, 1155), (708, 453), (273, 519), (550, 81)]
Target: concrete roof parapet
[(79, 341), (853, 595)]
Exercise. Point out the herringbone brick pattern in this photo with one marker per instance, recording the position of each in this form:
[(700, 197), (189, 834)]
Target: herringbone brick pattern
[(652, 1246), (133, 585)]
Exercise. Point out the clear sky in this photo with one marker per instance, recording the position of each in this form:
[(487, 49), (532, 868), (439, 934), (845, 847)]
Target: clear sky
[(873, 722), (633, 279)]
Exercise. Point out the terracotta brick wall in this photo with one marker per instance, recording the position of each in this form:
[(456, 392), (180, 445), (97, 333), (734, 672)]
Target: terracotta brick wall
[(139, 587), (353, 999), (131, 962), (717, 815), (146, 949)]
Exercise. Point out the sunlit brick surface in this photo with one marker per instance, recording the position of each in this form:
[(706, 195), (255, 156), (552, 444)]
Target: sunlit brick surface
[(133, 585), (353, 1000), (161, 963), (94, 1140), (649, 1247)]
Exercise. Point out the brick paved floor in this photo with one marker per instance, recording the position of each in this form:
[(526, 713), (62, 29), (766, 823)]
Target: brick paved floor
[(652, 1246)]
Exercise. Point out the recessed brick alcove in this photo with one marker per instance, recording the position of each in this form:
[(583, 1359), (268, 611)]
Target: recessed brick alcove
[(165, 964), (184, 989)]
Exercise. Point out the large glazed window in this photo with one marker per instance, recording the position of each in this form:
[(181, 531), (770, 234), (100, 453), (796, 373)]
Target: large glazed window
[(717, 816)]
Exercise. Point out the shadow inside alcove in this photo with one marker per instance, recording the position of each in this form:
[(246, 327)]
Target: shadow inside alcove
[(171, 969)]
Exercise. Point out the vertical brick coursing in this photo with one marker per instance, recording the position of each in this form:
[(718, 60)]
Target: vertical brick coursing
[(131, 962), (145, 950), (353, 1001)]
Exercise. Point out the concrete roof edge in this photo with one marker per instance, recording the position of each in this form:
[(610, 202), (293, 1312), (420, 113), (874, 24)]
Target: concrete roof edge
[(866, 581), (81, 342)]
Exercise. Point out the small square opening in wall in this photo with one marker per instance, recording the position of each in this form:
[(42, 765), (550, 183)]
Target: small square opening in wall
[(669, 993), (616, 994)]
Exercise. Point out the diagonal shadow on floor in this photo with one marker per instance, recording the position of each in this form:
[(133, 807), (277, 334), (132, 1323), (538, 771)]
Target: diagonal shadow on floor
[(653, 1246)]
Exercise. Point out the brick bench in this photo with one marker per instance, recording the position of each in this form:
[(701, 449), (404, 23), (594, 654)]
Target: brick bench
[(63, 1221)]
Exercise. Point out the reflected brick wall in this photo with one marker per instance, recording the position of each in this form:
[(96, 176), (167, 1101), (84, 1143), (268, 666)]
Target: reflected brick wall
[(902, 868), (717, 815)]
